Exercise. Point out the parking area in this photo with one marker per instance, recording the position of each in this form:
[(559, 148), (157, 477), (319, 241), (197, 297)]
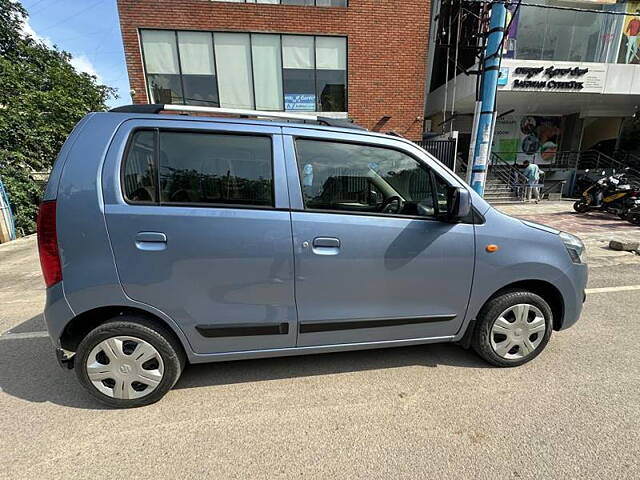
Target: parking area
[(420, 412)]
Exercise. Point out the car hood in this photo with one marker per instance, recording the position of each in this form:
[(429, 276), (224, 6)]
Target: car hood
[(539, 226)]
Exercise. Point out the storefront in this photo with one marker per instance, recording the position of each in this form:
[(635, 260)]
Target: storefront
[(569, 81)]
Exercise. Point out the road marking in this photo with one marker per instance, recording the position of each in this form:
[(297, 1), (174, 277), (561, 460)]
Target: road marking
[(18, 336), (624, 288)]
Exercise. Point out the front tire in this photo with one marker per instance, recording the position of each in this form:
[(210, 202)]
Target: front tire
[(512, 328), (128, 362), (581, 206)]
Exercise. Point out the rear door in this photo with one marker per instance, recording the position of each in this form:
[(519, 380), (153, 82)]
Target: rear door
[(197, 213), (374, 260)]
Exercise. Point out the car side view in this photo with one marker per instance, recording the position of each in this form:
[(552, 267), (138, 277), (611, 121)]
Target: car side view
[(169, 239)]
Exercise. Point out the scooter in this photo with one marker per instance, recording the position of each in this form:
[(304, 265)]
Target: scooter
[(615, 194)]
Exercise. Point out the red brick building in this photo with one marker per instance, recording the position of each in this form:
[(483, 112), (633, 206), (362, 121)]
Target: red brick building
[(366, 58)]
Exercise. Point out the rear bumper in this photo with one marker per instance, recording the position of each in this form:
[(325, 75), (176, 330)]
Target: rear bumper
[(57, 313)]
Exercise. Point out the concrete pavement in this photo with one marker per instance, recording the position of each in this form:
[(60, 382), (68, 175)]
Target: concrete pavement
[(420, 412)]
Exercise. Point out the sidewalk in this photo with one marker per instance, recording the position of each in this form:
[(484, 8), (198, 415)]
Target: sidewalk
[(595, 229)]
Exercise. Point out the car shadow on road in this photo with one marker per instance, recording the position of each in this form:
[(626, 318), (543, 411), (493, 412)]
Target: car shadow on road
[(29, 370), (226, 373)]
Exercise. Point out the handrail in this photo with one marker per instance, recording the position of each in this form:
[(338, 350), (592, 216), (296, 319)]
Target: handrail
[(497, 160), (592, 159)]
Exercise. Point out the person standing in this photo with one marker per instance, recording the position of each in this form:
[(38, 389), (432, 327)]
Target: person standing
[(532, 172), (632, 31)]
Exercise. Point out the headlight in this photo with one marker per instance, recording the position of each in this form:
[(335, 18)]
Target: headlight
[(574, 247)]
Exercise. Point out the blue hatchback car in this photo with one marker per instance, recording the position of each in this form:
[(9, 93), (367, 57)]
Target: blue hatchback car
[(166, 240)]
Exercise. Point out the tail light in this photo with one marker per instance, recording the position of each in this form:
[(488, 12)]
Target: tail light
[(48, 243)]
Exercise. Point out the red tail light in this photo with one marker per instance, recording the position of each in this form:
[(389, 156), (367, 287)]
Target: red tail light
[(48, 243)]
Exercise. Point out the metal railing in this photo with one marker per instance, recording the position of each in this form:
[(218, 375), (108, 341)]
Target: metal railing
[(508, 175)]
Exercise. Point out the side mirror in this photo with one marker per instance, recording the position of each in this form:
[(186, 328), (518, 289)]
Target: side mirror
[(458, 204)]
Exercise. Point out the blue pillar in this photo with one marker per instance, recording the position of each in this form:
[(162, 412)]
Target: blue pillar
[(490, 73)]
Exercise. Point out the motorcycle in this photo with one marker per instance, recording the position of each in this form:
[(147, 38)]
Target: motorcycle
[(615, 194)]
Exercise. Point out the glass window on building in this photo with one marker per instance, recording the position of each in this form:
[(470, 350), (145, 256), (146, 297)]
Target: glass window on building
[(267, 71), (242, 70), (317, 3), (198, 68), (564, 35), (331, 74), (299, 72), (161, 65)]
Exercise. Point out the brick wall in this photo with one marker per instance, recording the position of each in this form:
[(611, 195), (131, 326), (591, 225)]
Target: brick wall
[(387, 46)]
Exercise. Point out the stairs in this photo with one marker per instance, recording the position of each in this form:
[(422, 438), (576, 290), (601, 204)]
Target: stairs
[(497, 191)]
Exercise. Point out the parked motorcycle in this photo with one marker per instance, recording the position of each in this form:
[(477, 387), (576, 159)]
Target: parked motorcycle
[(616, 194)]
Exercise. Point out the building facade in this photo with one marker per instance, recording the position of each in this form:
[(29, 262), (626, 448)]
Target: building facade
[(361, 58), (569, 80)]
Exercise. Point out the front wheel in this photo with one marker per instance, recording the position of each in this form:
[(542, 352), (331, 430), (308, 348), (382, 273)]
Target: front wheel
[(513, 328), (581, 206), (128, 362)]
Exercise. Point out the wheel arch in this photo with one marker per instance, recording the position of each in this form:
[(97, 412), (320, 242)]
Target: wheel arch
[(542, 288), (78, 328)]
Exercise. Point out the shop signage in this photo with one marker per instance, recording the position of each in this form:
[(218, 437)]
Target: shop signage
[(299, 102), (551, 72), (538, 76)]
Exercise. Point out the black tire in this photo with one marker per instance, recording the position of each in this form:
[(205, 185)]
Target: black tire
[(634, 218), (160, 338), (581, 206), (481, 339)]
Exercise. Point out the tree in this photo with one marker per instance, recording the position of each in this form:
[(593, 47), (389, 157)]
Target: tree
[(42, 97)]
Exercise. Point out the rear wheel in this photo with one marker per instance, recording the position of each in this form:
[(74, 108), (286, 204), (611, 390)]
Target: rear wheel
[(128, 362), (513, 328), (581, 206), (633, 217)]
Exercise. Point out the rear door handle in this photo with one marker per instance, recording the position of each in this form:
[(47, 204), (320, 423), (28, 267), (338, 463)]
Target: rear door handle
[(151, 241), (326, 242), (326, 246)]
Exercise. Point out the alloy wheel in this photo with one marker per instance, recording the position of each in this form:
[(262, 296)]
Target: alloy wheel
[(518, 331), (125, 367)]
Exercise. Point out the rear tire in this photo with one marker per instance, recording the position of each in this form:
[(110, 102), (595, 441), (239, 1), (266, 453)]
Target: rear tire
[(581, 206), (129, 362), (512, 328), (633, 217)]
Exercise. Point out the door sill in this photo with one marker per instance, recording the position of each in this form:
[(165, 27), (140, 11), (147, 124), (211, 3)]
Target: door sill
[(310, 350)]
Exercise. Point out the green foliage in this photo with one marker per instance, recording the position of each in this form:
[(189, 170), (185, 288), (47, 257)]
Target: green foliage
[(42, 97)]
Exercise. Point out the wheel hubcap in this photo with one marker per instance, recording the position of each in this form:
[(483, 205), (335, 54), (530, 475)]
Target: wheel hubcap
[(125, 367), (518, 331)]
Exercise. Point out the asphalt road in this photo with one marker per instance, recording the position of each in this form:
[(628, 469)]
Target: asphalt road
[(420, 412)]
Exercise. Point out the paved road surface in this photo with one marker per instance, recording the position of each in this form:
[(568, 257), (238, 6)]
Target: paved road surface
[(420, 412)]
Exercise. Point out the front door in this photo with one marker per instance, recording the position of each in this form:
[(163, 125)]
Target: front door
[(374, 260), (200, 230)]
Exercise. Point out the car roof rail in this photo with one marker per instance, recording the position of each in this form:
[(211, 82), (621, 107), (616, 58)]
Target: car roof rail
[(239, 112)]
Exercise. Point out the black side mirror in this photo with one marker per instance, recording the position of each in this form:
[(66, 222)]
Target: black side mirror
[(458, 204)]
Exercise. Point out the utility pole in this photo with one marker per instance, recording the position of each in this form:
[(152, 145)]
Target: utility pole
[(489, 86)]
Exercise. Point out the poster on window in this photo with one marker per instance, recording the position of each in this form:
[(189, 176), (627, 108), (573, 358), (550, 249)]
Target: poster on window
[(509, 43), (527, 137), (629, 53), (299, 102)]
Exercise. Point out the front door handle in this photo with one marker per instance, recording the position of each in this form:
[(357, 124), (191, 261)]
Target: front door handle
[(326, 242), (151, 241)]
